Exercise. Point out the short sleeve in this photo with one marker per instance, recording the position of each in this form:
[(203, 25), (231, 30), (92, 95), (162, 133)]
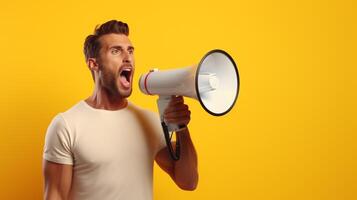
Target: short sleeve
[(57, 146)]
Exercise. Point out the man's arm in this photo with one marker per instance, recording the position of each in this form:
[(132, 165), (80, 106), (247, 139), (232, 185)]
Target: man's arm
[(58, 180), (184, 171)]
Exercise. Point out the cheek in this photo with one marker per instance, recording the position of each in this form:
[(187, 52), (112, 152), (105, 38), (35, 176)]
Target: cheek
[(112, 66), (112, 61), (109, 74)]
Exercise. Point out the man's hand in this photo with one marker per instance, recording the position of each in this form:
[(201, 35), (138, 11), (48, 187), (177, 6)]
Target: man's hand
[(177, 112)]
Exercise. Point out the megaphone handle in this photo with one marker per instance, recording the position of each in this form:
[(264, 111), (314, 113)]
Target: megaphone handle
[(174, 155), (162, 103)]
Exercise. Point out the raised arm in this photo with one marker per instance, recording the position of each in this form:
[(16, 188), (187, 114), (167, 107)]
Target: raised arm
[(184, 171)]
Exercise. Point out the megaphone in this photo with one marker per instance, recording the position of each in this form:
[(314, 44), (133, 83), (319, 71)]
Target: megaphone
[(214, 82)]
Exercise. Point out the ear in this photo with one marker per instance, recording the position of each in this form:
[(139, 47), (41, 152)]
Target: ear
[(92, 64)]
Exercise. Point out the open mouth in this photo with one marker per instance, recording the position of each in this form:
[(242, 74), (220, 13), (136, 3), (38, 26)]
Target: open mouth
[(125, 77)]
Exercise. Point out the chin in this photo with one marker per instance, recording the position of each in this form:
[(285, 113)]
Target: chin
[(125, 93)]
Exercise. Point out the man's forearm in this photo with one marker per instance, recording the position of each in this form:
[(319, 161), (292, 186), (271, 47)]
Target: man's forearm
[(185, 170)]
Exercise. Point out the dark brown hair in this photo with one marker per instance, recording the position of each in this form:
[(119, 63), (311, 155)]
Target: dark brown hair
[(92, 44)]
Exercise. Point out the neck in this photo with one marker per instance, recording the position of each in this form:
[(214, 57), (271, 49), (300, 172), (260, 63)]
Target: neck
[(105, 99)]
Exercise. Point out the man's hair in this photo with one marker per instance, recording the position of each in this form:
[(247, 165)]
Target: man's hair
[(92, 44)]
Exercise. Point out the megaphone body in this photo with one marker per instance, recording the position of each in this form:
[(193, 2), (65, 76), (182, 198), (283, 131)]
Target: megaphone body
[(214, 82), (167, 83)]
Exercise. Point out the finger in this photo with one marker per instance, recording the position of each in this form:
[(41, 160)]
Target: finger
[(172, 111), (177, 97), (176, 100), (180, 121), (177, 114), (178, 118), (175, 103), (181, 107)]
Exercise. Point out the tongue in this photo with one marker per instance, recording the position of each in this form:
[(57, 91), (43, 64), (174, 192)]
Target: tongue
[(124, 82)]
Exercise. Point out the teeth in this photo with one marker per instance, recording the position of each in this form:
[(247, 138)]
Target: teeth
[(127, 70)]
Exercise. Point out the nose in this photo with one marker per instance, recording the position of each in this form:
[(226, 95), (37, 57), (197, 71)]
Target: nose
[(127, 58)]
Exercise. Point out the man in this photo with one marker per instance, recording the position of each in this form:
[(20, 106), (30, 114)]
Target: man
[(104, 146)]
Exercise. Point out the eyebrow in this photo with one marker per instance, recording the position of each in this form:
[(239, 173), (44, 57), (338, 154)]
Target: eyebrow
[(121, 47)]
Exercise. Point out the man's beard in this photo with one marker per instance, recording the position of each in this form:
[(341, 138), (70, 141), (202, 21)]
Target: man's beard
[(110, 83)]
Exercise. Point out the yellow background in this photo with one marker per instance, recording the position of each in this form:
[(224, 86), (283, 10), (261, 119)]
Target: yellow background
[(290, 136)]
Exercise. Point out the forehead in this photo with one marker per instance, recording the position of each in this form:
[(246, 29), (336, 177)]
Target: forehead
[(109, 40)]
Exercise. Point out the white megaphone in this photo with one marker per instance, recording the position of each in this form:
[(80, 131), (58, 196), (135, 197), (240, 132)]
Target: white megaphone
[(214, 82)]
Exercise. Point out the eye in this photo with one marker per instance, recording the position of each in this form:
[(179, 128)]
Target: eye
[(115, 51), (131, 51)]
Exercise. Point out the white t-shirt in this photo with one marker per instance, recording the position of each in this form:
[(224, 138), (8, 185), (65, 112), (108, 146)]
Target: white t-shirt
[(112, 152)]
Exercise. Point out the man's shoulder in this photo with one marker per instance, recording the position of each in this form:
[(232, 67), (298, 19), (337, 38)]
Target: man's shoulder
[(76, 111), (142, 110)]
